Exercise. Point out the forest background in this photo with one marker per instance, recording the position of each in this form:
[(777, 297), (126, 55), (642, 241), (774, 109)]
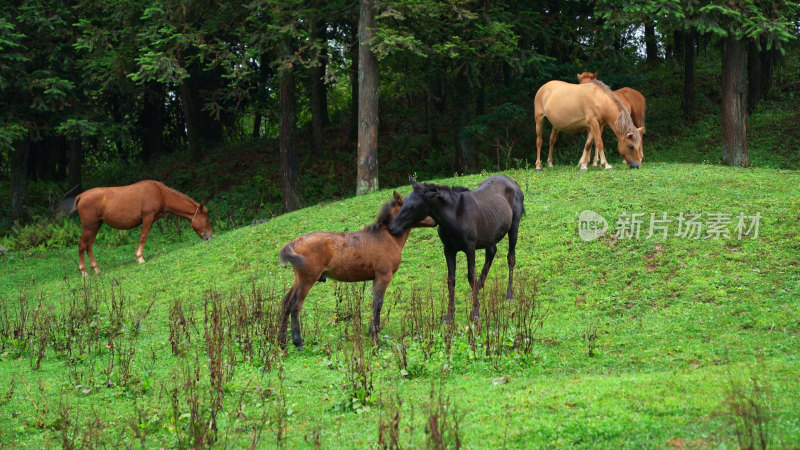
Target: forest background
[(254, 108)]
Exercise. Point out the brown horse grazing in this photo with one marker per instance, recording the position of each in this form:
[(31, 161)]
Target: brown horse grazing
[(631, 98), (369, 254), (126, 207), (576, 107)]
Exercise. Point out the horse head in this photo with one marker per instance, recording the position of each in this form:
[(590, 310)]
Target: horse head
[(630, 147), (586, 77), (415, 208), (200, 223)]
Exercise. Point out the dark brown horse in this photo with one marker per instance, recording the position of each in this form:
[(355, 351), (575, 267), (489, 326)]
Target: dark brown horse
[(369, 254), (126, 207), (468, 220)]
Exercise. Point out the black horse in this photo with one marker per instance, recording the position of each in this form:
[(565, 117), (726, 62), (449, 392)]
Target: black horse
[(467, 220)]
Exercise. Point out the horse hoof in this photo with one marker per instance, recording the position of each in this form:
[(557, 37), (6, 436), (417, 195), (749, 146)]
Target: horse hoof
[(96, 270), (583, 169), (141, 260), (448, 320), (550, 165), (538, 169), (609, 167)]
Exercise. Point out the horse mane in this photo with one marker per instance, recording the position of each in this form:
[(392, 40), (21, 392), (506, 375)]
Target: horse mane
[(177, 193), (624, 121), (436, 187), (384, 216)]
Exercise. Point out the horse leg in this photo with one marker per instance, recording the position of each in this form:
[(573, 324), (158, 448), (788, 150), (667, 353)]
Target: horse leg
[(512, 254), (283, 321), (587, 152), (147, 222), (589, 142), (490, 252), (379, 285), (476, 313), (553, 137), (601, 151), (299, 298), (539, 130), (594, 132), (450, 256), (85, 246)]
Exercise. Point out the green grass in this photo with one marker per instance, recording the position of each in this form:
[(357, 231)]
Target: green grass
[(678, 322)]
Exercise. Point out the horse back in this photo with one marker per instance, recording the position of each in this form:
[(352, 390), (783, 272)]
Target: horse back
[(497, 201), (570, 106), (634, 102), (121, 207)]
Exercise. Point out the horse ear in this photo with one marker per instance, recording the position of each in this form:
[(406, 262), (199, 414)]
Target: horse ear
[(595, 75), (579, 77), (398, 198), (641, 131), (629, 135), (412, 180)]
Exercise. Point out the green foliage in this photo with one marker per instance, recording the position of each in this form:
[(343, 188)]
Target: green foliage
[(43, 234)]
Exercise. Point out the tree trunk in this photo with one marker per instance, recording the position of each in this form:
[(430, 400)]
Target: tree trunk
[(461, 109), (673, 48), (688, 75), (367, 177), (260, 99), (650, 42), (189, 115), (734, 102), (19, 178), (759, 73), (753, 77), (319, 105), (74, 170), (767, 56), (152, 121), (354, 88), (63, 158), (257, 118), (290, 172)]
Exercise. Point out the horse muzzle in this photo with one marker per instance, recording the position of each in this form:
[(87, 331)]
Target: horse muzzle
[(634, 165), (395, 230), (206, 236)]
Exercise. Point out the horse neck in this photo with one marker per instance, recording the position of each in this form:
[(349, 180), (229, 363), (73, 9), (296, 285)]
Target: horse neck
[(179, 204), (612, 123), (612, 115), (448, 214), (400, 239)]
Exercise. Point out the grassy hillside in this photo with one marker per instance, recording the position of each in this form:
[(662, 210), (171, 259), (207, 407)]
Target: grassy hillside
[(632, 342)]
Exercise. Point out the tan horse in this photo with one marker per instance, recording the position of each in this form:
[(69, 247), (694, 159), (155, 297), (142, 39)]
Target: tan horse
[(126, 207), (577, 107), (369, 254), (631, 98)]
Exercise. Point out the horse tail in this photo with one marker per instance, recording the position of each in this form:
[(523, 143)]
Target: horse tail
[(67, 206), (288, 255)]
